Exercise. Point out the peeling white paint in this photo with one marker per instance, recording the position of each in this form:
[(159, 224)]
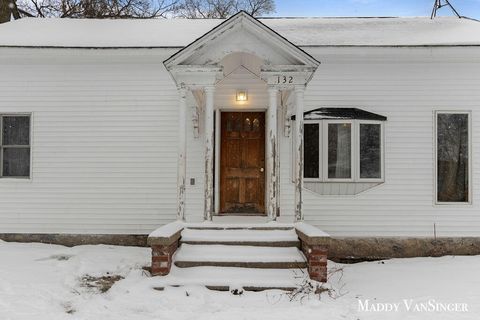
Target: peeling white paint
[(209, 95), (182, 151), (271, 154), (299, 101)]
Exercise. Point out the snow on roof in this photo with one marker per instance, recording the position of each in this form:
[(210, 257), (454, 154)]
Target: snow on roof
[(341, 113), (414, 31)]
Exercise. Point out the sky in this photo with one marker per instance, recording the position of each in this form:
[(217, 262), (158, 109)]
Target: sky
[(338, 8)]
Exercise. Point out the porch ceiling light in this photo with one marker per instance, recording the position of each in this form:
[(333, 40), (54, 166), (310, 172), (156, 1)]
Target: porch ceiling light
[(242, 95)]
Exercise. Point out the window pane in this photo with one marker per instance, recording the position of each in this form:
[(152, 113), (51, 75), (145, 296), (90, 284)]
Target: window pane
[(16, 130), (370, 151), (311, 151), (339, 150), (16, 162), (452, 157)]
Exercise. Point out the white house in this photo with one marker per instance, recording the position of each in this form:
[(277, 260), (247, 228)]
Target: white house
[(366, 128)]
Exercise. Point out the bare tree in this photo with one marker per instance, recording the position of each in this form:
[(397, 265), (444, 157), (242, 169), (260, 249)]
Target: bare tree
[(8, 9), (223, 8), (257, 7), (4, 11), (119, 9)]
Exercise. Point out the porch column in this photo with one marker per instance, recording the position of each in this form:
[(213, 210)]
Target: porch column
[(182, 150), (209, 95), (271, 151), (299, 97), (218, 119)]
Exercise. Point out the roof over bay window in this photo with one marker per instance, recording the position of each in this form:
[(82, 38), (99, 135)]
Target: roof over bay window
[(326, 113)]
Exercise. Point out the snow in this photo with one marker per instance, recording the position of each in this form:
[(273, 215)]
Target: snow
[(225, 253), (246, 222), (309, 230), (189, 235), (229, 276), (181, 32), (37, 283), (167, 230)]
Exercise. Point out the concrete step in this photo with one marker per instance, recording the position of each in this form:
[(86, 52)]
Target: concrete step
[(247, 237), (239, 256), (225, 278), (227, 288)]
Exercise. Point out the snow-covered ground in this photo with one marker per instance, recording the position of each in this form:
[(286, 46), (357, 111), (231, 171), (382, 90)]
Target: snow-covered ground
[(40, 282)]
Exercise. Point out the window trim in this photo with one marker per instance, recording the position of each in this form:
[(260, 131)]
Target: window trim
[(16, 178), (320, 151), (382, 151), (435, 158), (324, 161)]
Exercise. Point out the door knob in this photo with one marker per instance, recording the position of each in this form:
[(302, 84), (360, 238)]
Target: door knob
[(261, 169)]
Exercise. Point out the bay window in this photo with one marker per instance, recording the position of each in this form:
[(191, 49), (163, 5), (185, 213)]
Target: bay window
[(343, 145)]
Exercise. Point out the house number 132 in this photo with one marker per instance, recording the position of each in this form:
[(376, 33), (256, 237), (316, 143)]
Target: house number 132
[(284, 79)]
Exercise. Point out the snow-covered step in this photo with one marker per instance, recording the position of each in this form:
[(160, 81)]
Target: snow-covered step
[(223, 278), (268, 237), (239, 256)]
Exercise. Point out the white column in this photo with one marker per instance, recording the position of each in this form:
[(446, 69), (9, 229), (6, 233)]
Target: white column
[(209, 95), (217, 158), (299, 97), (271, 152), (182, 152)]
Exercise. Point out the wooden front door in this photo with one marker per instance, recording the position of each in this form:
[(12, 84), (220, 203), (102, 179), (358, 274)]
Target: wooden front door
[(242, 162)]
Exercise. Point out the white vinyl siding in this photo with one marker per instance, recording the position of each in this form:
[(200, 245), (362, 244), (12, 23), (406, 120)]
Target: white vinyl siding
[(104, 138), (406, 85)]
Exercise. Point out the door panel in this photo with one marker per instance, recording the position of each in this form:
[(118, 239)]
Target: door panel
[(242, 163)]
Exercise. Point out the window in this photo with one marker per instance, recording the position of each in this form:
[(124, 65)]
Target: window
[(15, 146), (343, 151), (453, 157), (370, 151), (311, 150), (343, 145), (339, 150)]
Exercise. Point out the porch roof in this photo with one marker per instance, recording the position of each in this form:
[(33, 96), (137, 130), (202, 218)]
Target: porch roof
[(177, 33)]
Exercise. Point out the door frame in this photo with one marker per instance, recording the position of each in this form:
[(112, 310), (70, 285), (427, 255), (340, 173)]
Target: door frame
[(217, 153)]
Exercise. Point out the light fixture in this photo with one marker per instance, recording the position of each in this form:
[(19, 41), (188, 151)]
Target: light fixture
[(242, 95)]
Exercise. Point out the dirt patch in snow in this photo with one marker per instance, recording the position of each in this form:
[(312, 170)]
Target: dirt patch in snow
[(102, 284)]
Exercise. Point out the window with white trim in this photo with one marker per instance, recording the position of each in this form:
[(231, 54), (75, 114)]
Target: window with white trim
[(14, 146), (453, 157), (343, 150)]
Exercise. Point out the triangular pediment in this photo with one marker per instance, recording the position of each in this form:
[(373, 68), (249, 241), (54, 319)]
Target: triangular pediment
[(241, 33)]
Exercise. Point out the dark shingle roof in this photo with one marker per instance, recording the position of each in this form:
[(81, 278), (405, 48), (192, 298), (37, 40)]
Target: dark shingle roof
[(341, 113)]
